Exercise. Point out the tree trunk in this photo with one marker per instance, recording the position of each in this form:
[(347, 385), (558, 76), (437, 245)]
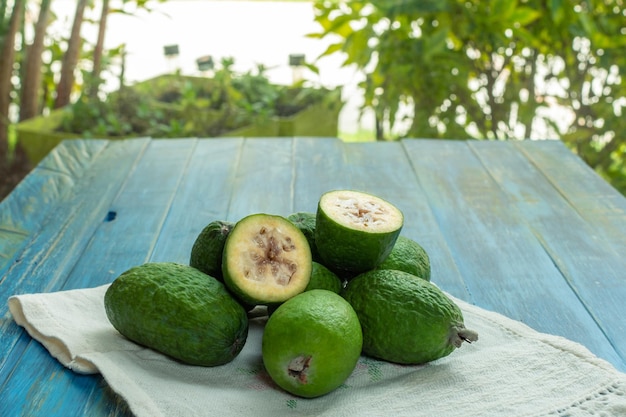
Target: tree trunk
[(99, 50), (7, 52), (31, 80), (70, 59), (378, 123)]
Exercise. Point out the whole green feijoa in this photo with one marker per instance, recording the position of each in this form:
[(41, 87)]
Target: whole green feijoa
[(323, 278), (409, 256), (305, 221), (405, 319), (311, 344), (179, 311), (206, 252)]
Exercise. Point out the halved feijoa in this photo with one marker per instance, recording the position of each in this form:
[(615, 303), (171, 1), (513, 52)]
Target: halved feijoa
[(355, 231), (266, 260)]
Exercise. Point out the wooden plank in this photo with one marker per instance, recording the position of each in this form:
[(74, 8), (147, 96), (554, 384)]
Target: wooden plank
[(504, 265), (589, 264), (320, 166), (263, 181), (50, 255), (57, 391), (140, 210), (127, 240), (26, 209), (590, 195), (202, 197)]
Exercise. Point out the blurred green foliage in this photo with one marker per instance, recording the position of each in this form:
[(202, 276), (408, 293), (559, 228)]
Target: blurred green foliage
[(498, 69), (173, 105)]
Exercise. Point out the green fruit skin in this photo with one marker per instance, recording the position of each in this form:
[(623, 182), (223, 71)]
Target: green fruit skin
[(347, 251), (323, 278), (206, 252), (405, 319), (305, 221), (178, 311), (409, 256), (318, 324)]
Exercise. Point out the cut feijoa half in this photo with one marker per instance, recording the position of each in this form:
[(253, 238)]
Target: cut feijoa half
[(355, 231), (266, 260)]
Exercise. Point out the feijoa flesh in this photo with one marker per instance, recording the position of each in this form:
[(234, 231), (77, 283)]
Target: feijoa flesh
[(266, 260), (179, 311)]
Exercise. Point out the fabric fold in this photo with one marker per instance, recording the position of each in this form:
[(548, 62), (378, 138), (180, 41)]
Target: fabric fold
[(512, 370)]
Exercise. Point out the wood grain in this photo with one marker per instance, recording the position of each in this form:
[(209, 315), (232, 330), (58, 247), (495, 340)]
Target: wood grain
[(522, 228), (588, 262), (504, 265)]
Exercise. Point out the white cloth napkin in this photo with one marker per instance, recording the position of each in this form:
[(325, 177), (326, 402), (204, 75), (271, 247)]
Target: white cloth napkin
[(511, 371)]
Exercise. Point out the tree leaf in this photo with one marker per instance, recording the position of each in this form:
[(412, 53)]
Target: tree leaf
[(502, 10), (525, 15), (332, 48), (315, 35), (411, 6), (435, 43), (314, 68), (556, 11)]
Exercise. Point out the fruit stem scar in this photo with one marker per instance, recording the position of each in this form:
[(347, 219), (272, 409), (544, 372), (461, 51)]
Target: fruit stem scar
[(298, 367), (461, 334)]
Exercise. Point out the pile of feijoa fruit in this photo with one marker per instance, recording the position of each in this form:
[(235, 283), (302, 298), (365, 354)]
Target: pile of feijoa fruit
[(336, 284)]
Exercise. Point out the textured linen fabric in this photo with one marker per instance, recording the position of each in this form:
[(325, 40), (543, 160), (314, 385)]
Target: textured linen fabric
[(511, 371)]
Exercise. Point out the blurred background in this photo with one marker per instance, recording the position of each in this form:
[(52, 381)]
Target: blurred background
[(251, 32), (370, 70)]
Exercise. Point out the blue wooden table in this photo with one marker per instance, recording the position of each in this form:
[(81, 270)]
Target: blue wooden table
[(522, 228)]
